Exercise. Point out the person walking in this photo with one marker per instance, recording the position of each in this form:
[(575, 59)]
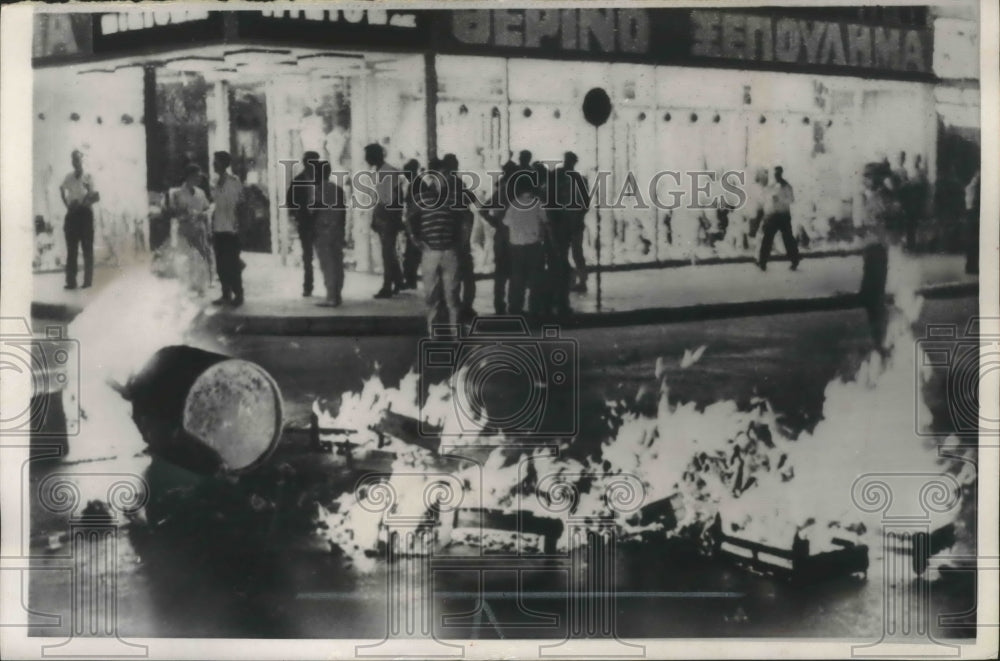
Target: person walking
[(330, 219), (387, 217), (778, 201), (189, 205), (529, 228), (79, 195), (438, 231), (227, 200), (296, 199), (411, 254)]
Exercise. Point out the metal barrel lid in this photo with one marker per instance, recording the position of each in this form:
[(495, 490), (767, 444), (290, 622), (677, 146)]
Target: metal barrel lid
[(205, 411), (234, 408)]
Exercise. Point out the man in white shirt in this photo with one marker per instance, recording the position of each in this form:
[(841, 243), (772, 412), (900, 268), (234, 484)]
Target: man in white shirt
[(227, 197), (778, 199), (78, 194)]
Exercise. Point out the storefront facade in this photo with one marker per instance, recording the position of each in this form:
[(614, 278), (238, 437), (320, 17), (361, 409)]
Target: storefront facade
[(818, 91)]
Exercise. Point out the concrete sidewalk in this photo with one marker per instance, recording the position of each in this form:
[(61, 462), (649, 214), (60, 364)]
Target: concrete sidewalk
[(274, 304)]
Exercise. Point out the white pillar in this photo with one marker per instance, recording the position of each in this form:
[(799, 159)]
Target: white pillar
[(905, 503)]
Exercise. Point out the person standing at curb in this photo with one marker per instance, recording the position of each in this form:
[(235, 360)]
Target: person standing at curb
[(492, 214), (227, 198), (881, 209), (529, 229), (438, 230), (387, 218), (330, 216), (79, 195), (573, 202), (778, 218), (458, 202), (411, 254), (296, 200)]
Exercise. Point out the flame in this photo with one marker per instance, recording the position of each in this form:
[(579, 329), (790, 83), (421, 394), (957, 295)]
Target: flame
[(767, 483)]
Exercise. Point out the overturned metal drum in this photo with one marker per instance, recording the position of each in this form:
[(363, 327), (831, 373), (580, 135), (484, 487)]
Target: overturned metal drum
[(206, 412)]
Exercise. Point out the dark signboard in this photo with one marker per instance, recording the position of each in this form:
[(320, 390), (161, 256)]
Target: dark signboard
[(138, 31), (765, 39), (623, 34), (803, 39), (370, 29), (797, 42)]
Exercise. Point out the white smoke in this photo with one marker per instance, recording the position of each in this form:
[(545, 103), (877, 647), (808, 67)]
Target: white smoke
[(120, 329)]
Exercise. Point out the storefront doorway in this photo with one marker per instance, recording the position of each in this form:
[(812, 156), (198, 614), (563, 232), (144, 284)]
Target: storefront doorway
[(248, 139)]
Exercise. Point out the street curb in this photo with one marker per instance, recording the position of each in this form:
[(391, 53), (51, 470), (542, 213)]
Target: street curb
[(54, 311), (707, 261), (386, 325)]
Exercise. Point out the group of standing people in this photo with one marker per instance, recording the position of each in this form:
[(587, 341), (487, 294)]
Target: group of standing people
[(319, 208), (320, 211), (207, 228), (537, 216)]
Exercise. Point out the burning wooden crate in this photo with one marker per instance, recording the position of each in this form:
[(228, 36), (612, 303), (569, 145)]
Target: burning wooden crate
[(500, 530), (797, 562), (656, 518)]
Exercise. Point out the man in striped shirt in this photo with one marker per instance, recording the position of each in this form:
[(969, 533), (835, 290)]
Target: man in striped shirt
[(438, 228)]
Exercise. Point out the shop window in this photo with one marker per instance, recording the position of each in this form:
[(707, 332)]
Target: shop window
[(248, 140), (181, 130)]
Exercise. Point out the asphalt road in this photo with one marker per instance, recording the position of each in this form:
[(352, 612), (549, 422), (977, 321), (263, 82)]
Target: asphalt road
[(786, 359)]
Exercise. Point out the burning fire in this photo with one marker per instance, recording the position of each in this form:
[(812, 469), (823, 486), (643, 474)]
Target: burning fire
[(767, 484)]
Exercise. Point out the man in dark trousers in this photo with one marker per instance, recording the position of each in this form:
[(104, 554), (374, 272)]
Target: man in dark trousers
[(778, 199), (227, 200), (78, 194), (458, 201), (573, 201), (297, 201), (330, 218), (387, 217), (432, 221), (411, 254), (492, 213)]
